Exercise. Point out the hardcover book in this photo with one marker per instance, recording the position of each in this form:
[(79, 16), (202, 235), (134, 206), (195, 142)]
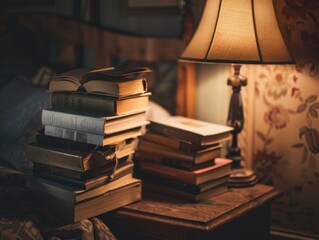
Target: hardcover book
[(185, 165), (92, 124), (56, 142), (67, 205), (90, 138), (96, 181), (174, 142), (46, 171), (74, 195), (77, 160), (221, 168), (109, 81), (99, 104), (201, 156), (187, 129)]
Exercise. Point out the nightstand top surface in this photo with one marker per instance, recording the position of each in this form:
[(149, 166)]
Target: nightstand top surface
[(204, 215)]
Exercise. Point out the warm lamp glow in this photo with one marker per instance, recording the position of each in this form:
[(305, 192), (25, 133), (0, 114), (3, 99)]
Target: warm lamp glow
[(238, 31)]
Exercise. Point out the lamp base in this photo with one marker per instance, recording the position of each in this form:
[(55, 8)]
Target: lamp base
[(242, 177), (234, 154), (239, 177)]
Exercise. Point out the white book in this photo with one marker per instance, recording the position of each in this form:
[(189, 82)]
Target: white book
[(90, 138), (92, 124), (198, 132)]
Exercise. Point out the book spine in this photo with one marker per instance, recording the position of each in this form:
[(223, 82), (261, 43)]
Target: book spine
[(184, 165), (114, 199), (54, 158), (70, 182), (73, 135), (83, 102), (73, 121), (45, 186), (49, 141), (176, 133), (170, 142), (46, 170)]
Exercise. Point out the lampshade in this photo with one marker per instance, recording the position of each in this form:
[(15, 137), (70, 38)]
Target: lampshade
[(238, 31)]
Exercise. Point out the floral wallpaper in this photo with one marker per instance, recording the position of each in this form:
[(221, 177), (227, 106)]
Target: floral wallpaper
[(286, 125), (287, 144)]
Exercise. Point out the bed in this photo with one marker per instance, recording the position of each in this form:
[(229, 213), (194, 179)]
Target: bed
[(28, 44)]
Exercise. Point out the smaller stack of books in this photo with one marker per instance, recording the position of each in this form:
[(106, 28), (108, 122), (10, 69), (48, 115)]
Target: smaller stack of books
[(82, 160), (181, 157)]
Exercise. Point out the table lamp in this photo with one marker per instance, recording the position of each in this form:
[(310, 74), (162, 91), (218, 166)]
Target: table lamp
[(237, 32)]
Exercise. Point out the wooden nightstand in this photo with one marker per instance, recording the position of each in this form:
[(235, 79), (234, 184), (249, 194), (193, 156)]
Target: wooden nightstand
[(242, 213)]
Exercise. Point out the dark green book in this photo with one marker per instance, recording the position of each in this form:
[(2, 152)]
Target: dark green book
[(99, 104)]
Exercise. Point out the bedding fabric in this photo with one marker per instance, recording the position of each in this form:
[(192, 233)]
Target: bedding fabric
[(21, 216), (20, 106)]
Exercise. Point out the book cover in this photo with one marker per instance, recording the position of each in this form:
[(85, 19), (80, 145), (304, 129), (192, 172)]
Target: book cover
[(172, 142), (201, 156), (46, 171), (192, 130), (109, 81), (74, 195), (99, 104), (72, 159), (56, 142), (185, 165), (90, 138), (96, 181), (73, 205), (92, 124)]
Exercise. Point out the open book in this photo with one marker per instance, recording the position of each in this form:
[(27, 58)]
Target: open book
[(118, 82)]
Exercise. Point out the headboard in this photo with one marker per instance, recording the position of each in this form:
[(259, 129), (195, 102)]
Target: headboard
[(108, 45)]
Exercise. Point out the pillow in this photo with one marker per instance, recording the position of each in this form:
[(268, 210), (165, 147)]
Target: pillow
[(21, 105), (156, 112)]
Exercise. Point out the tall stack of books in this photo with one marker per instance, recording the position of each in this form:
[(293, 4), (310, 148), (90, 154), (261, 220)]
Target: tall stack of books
[(83, 157), (181, 157)]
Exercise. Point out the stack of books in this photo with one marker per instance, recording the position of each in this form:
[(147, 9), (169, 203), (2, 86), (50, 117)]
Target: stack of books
[(83, 157), (181, 157)]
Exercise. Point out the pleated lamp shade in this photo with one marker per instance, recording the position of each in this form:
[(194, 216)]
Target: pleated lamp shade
[(238, 31)]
